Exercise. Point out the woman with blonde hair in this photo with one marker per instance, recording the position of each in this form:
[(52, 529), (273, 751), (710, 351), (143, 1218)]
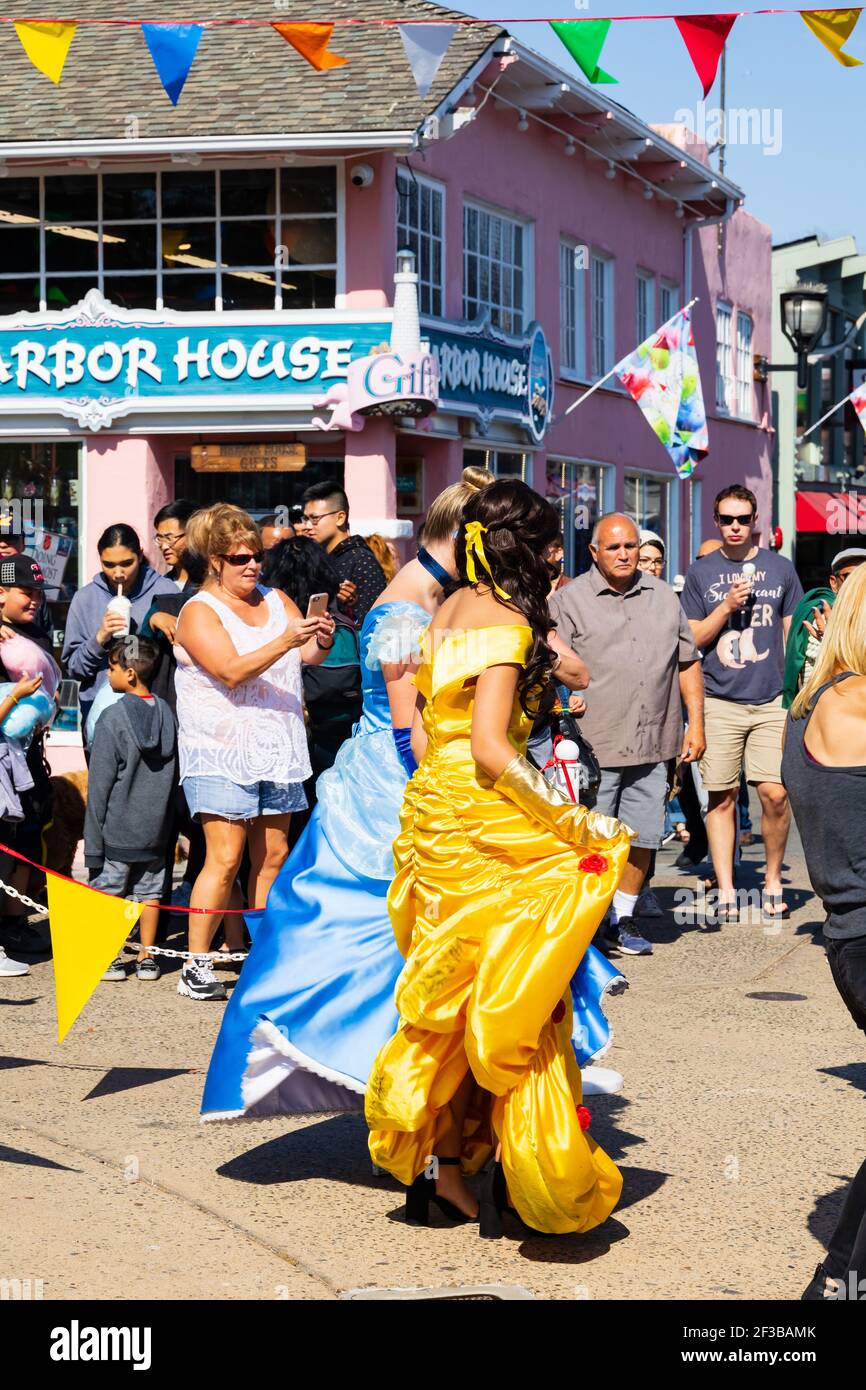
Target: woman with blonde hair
[(824, 772), (241, 737)]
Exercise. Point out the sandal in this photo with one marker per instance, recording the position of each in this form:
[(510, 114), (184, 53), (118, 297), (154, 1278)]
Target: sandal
[(773, 907)]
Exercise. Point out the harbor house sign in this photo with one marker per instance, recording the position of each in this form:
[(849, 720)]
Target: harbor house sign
[(96, 364)]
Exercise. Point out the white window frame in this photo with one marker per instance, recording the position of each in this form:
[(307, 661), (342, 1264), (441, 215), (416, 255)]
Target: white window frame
[(572, 311), (725, 386), (669, 299), (696, 530), (87, 279), (745, 386), (474, 308), (645, 289), (420, 232), (602, 345), (671, 537)]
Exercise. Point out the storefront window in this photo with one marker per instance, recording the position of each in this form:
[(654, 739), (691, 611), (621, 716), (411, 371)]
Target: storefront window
[(646, 498), (39, 484), (577, 492), (502, 462), (258, 493), (260, 238)]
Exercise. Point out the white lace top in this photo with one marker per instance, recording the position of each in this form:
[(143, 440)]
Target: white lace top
[(254, 733)]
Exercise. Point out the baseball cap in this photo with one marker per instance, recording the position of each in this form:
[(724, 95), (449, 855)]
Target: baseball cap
[(854, 555), (23, 572)]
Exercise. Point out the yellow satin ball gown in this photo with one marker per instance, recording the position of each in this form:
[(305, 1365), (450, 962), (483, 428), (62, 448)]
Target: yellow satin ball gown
[(493, 906)]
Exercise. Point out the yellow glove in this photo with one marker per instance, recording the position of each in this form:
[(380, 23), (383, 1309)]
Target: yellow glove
[(537, 798)]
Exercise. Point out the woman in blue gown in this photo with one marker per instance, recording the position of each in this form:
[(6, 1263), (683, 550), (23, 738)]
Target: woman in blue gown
[(315, 999)]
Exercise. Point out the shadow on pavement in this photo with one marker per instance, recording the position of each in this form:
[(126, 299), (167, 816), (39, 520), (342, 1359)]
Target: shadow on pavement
[(8, 1155), (334, 1148), (852, 1072), (128, 1078)]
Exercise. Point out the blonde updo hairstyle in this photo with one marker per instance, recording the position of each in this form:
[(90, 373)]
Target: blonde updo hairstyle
[(215, 531), (446, 511)]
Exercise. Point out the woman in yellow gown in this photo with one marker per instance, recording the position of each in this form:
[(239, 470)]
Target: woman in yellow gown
[(500, 886)]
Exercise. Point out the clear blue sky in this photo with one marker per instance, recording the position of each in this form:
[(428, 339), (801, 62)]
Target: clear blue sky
[(815, 183)]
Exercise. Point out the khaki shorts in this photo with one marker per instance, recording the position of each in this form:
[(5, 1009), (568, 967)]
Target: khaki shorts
[(741, 736)]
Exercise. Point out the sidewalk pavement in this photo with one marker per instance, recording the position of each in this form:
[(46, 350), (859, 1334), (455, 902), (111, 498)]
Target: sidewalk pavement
[(738, 1130)]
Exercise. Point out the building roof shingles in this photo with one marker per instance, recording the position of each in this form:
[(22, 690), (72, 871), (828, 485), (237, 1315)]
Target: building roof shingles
[(245, 81)]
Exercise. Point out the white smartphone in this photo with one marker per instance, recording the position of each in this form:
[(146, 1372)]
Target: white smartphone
[(317, 606)]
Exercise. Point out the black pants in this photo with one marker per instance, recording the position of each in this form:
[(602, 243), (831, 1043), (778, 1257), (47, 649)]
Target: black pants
[(847, 1249)]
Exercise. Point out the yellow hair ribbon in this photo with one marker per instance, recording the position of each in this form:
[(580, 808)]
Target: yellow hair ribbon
[(475, 546)]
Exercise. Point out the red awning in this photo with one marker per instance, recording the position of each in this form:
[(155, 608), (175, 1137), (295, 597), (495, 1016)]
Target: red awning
[(835, 513)]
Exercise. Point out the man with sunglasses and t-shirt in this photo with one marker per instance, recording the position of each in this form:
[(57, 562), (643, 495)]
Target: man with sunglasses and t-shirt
[(739, 601)]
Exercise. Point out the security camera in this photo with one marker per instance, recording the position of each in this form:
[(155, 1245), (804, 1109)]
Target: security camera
[(362, 175)]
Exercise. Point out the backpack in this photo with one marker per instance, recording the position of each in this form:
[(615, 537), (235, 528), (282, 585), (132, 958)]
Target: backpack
[(332, 690)]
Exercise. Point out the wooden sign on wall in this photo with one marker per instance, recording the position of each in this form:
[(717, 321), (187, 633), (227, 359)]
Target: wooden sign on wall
[(248, 458)]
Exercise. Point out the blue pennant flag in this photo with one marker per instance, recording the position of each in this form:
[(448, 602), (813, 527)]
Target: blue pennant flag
[(173, 48)]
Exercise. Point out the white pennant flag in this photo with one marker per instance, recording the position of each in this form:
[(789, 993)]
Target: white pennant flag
[(426, 46)]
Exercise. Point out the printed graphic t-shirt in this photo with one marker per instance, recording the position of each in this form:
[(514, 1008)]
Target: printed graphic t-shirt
[(745, 662)]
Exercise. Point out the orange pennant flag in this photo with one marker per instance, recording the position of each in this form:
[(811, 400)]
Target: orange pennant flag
[(311, 41), (834, 28)]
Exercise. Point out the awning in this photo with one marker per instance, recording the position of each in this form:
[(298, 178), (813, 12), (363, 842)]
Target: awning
[(835, 513)]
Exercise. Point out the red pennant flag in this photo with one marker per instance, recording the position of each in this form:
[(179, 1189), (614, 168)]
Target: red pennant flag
[(311, 41), (705, 35)]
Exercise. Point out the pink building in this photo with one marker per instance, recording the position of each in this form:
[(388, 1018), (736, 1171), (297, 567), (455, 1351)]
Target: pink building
[(238, 253)]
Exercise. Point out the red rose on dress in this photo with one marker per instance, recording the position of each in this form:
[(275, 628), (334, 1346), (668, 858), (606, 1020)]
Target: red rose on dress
[(593, 864), (559, 1012), (584, 1118)]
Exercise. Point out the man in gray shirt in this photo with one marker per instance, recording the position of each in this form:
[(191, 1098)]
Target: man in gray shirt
[(643, 665)]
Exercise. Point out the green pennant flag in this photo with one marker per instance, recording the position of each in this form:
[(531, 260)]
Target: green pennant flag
[(584, 39)]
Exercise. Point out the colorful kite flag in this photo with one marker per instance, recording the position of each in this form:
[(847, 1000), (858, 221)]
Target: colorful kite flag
[(834, 28), (705, 35), (858, 400), (46, 45), (173, 49), (426, 46), (88, 929), (584, 39), (662, 377), (311, 41)]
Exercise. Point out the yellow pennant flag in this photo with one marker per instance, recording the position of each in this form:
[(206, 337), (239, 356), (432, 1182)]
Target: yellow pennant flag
[(834, 28), (87, 931), (46, 45)]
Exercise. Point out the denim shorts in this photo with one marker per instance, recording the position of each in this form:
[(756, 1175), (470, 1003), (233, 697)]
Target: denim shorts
[(217, 796), (637, 796), (137, 882)]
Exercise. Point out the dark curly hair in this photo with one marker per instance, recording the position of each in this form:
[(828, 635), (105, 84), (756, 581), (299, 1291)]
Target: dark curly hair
[(300, 568), (520, 526)]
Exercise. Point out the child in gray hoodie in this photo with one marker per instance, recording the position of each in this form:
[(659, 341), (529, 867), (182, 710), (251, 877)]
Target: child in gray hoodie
[(132, 777)]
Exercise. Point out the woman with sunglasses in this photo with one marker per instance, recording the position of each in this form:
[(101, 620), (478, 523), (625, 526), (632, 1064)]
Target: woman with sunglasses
[(240, 708)]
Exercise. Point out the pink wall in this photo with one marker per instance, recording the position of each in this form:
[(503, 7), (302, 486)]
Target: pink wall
[(126, 479)]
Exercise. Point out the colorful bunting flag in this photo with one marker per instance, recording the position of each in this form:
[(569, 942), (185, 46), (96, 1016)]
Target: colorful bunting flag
[(584, 39), (662, 377), (173, 48), (88, 929), (426, 46), (311, 41), (858, 400), (834, 28), (705, 35), (46, 45)]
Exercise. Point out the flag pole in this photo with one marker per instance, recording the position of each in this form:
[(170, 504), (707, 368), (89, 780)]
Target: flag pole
[(831, 411), (595, 385)]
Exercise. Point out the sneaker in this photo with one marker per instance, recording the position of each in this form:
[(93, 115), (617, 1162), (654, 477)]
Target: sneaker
[(603, 942), (18, 935), (648, 905), (147, 969), (116, 970), (630, 941), (12, 967), (670, 835), (197, 980)]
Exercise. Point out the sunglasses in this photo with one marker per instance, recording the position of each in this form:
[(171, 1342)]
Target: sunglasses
[(740, 520), (239, 560)]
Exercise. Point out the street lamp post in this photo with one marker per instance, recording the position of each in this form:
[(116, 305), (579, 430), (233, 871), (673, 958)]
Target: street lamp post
[(804, 319)]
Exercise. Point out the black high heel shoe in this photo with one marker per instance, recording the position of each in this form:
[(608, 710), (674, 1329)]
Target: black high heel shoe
[(494, 1201), (423, 1192)]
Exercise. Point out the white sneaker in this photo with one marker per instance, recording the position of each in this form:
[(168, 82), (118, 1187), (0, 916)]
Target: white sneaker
[(12, 967), (648, 905), (601, 1081)]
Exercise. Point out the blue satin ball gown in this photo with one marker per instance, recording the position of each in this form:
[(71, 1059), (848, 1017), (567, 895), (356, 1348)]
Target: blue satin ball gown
[(314, 1002)]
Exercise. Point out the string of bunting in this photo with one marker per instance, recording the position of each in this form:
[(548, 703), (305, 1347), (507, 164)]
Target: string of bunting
[(173, 47)]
